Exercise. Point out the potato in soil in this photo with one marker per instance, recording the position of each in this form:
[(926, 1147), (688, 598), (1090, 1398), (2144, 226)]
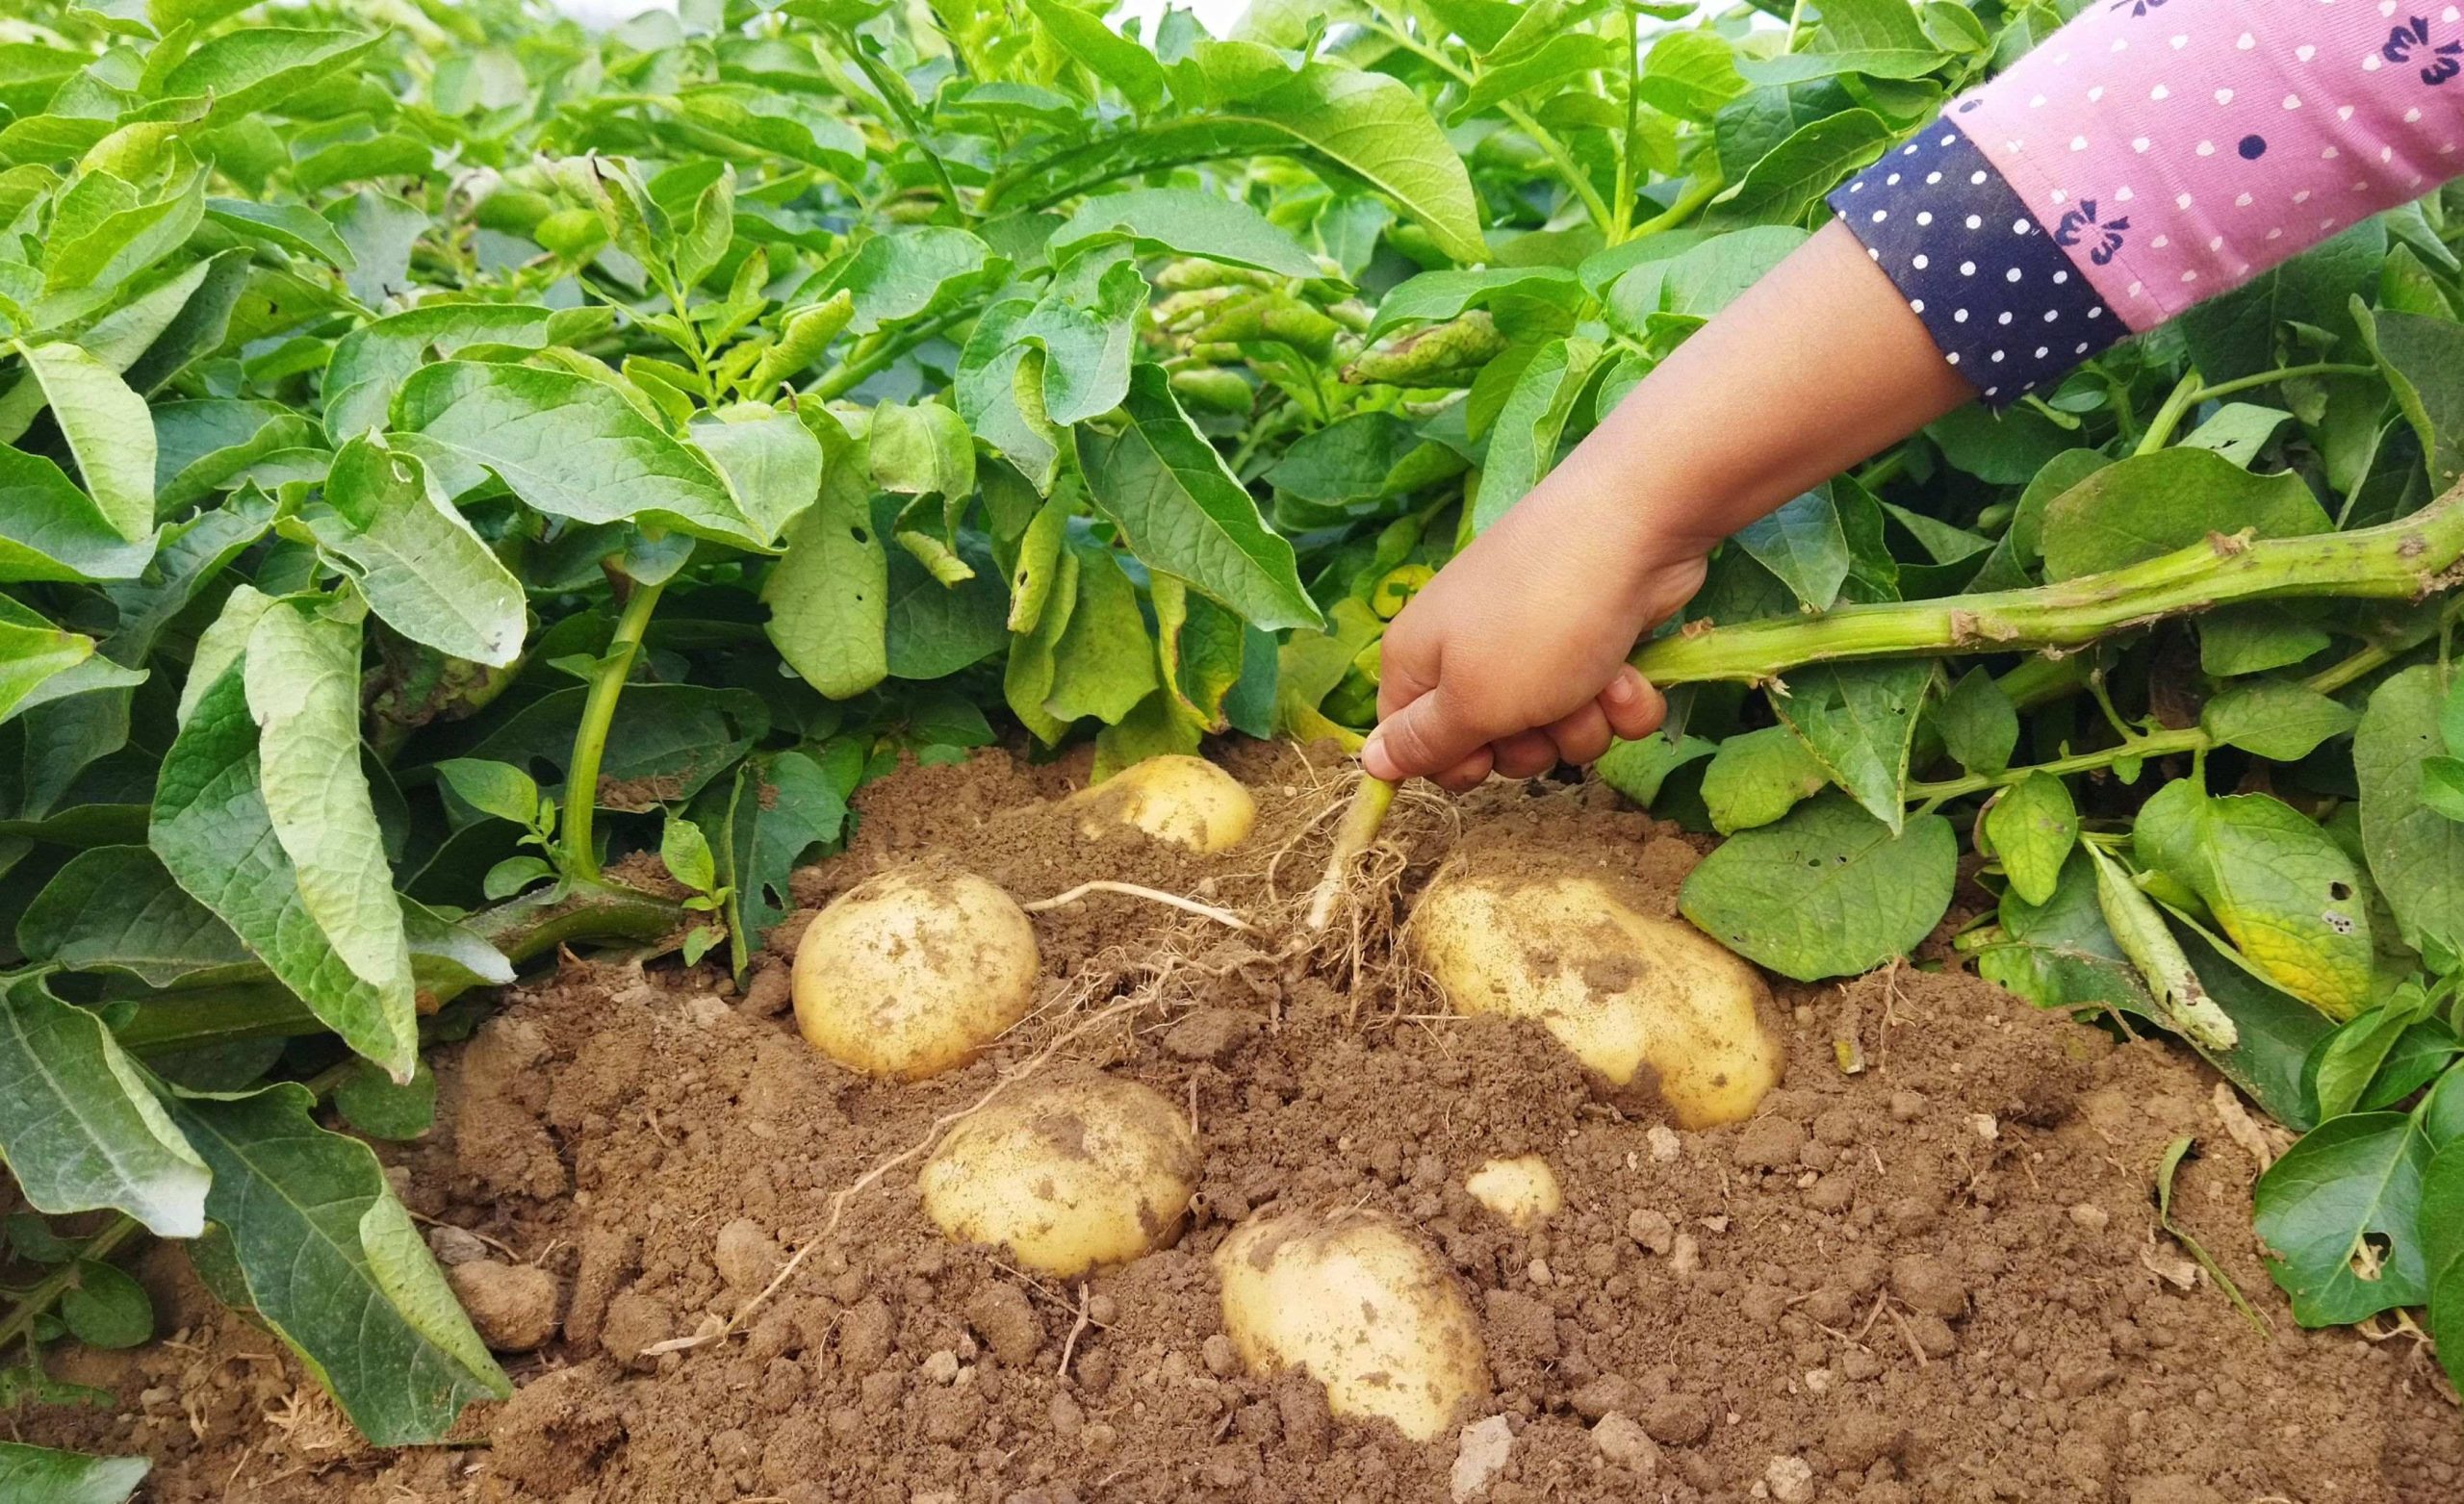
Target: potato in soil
[(1187, 801), (1521, 1192), (1623, 990), (1360, 1304), (913, 972), (1066, 1172)]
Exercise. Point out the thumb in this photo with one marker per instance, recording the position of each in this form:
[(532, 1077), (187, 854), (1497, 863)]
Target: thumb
[(1422, 739)]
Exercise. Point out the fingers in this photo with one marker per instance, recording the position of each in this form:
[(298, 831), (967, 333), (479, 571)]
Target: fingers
[(1466, 776), (1425, 737), (1632, 705), (1583, 736), (1526, 754)]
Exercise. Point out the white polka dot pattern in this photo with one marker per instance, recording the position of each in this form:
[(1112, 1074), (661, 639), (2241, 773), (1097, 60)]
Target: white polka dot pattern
[(1994, 290)]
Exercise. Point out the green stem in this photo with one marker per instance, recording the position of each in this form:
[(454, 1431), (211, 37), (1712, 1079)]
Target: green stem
[(2403, 560), (876, 356), (30, 1308), (1624, 221), (2154, 744), (590, 738), (523, 928), (2269, 378), (1699, 190), (2160, 428), (894, 98)]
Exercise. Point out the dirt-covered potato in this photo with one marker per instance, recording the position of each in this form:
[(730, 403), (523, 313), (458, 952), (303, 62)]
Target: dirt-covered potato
[(1066, 1172), (912, 971), (1627, 991), (1187, 801), (1360, 1304), (1521, 1192)]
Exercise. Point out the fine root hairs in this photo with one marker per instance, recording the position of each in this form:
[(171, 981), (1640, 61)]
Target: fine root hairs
[(1147, 994)]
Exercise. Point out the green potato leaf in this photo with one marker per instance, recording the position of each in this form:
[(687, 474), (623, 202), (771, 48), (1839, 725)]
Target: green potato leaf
[(2416, 855), (215, 828), (2031, 827), (80, 1128), (1827, 891), (2341, 1216), (1181, 510), (2280, 721), (2151, 505), (335, 1267), (1978, 723), (116, 909), (56, 1477), (565, 444), (419, 563), (1184, 221), (1803, 544), (2442, 1230), (1859, 720), (1759, 775), (107, 428)]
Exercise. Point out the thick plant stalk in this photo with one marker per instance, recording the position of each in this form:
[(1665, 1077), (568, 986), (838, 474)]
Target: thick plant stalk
[(523, 928), (2401, 560)]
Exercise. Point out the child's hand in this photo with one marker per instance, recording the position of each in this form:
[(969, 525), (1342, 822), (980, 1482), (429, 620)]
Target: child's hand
[(1515, 655), (1513, 658)]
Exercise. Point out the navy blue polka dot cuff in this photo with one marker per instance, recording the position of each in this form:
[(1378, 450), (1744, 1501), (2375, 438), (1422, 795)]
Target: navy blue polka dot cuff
[(2000, 297)]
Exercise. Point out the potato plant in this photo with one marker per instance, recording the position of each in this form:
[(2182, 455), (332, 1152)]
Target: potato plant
[(456, 469)]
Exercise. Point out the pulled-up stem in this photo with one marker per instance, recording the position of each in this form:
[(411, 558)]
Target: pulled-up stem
[(2402, 560), (1362, 817)]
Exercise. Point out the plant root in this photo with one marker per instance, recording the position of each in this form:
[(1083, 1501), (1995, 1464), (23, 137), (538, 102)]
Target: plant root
[(1186, 906)]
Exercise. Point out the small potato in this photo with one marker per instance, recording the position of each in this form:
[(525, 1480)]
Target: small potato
[(1066, 1173), (1625, 991), (1187, 801), (912, 971), (1363, 1307), (1521, 1192)]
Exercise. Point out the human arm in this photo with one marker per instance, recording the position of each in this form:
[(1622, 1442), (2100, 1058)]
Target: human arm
[(1514, 655), (2149, 155)]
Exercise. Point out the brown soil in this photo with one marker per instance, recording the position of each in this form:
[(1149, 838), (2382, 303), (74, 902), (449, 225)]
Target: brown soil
[(1937, 1280)]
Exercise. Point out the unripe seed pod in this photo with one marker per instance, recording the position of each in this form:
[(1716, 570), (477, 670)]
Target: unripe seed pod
[(2138, 929), (1215, 389), (570, 233), (1445, 354), (513, 211), (1196, 271)]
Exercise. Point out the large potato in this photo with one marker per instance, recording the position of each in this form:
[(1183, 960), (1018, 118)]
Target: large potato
[(1187, 801), (1066, 1173), (1625, 991), (1363, 1307), (912, 971)]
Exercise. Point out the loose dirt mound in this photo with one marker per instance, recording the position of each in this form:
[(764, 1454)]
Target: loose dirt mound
[(1937, 1280)]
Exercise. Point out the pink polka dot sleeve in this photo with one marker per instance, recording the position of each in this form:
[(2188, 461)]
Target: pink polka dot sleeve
[(2177, 148)]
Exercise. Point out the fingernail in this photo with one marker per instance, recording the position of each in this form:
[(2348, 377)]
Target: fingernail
[(1626, 688), (1374, 745)]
